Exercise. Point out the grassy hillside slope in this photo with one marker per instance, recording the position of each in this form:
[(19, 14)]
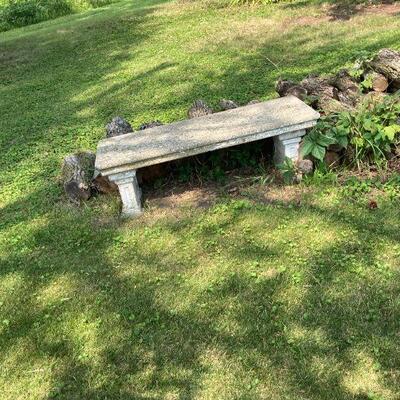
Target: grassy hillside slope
[(240, 300)]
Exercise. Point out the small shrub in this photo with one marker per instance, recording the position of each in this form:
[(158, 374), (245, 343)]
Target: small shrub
[(17, 13), (288, 170), (20, 13), (370, 131)]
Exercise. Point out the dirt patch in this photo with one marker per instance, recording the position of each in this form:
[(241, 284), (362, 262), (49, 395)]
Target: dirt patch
[(385, 9), (343, 11), (310, 20), (175, 202), (199, 197)]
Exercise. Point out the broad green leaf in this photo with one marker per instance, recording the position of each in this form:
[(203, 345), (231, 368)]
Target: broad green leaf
[(391, 130), (307, 147), (318, 152), (325, 140), (342, 141)]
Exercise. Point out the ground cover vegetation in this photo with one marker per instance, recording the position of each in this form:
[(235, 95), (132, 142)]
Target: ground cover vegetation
[(235, 288)]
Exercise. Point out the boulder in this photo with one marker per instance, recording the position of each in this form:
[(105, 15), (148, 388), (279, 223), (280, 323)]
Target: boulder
[(199, 109), (77, 172), (118, 126)]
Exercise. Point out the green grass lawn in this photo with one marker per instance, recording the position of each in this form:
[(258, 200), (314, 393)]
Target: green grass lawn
[(250, 298)]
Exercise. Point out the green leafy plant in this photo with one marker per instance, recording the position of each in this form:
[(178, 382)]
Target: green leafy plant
[(360, 65), (367, 82), (371, 131), (316, 142), (288, 170)]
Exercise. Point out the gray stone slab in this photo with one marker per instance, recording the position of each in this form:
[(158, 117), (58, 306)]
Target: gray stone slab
[(199, 135)]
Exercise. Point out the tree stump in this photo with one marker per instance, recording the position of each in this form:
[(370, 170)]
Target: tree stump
[(283, 85), (199, 109), (326, 96), (118, 126), (319, 87), (387, 63), (76, 175), (286, 88), (345, 82), (379, 82)]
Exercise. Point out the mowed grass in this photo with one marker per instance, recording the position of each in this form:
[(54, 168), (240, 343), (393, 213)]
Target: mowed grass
[(245, 299)]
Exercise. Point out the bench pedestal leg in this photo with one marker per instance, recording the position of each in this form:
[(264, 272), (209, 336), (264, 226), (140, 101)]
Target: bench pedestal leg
[(129, 191), (287, 145)]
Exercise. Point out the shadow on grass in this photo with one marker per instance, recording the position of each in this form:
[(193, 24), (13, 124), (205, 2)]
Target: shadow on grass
[(123, 316), (199, 307)]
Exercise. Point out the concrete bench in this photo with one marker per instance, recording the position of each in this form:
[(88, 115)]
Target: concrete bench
[(286, 119)]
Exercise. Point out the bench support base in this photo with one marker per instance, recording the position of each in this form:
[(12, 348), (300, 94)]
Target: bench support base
[(130, 192), (287, 145)]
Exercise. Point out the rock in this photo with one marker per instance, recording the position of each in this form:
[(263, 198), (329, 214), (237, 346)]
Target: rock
[(305, 166), (199, 109), (228, 104), (379, 82), (331, 159), (255, 101), (151, 124), (387, 63), (77, 172), (118, 126)]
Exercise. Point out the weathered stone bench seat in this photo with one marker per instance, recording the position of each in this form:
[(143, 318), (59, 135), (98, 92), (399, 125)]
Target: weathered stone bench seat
[(286, 119)]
